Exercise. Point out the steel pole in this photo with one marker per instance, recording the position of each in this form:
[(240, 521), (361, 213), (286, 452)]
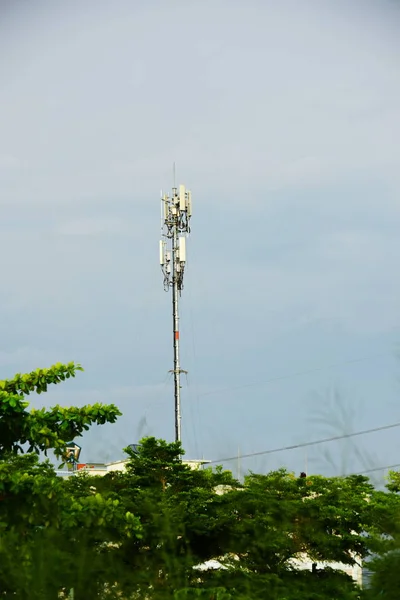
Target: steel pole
[(175, 316)]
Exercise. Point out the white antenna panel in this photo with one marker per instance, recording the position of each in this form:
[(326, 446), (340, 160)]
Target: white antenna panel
[(182, 249), (165, 208), (182, 197), (189, 203), (162, 253)]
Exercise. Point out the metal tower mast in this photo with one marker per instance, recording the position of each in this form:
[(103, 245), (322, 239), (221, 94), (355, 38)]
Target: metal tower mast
[(175, 221)]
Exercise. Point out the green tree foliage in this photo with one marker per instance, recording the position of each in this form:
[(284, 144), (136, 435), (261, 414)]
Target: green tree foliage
[(281, 518), (254, 530), (51, 538), (184, 521), (152, 531), (385, 544), (393, 484), (48, 533), (44, 429)]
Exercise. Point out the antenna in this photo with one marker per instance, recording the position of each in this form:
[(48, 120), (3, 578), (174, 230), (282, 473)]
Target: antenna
[(176, 212)]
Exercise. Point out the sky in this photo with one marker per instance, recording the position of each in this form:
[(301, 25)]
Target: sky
[(283, 118)]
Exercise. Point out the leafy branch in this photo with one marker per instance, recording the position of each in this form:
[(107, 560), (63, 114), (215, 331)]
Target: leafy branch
[(39, 430)]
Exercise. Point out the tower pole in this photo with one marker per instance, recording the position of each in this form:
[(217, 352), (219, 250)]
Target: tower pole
[(175, 316), (176, 212)]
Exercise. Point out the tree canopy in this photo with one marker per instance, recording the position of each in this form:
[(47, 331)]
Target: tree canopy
[(164, 531), (45, 530), (40, 430)]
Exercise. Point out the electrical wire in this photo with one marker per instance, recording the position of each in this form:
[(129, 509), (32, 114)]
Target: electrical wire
[(295, 374), (306, 444), (195, 409), (160, 401), (195, 394), (375, 469)]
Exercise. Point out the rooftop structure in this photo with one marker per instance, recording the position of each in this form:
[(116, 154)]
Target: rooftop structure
[(95, 468)]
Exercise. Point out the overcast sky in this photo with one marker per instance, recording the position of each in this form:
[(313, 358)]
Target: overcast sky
[(284, 121)]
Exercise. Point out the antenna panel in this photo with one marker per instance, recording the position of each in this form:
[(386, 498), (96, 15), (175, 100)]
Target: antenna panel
[(182, 197), (189, 203), (162, 253), (165, 208), (182, 249)]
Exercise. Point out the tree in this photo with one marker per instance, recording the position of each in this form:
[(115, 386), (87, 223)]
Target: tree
[(47, 534), (254, 530), (53, 539), (183, 520), (281, 518), (393, 483), (150, 531), (44, 429), (385, 543)]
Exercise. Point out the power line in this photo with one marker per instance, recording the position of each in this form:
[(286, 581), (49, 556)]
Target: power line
[(378, 469), (295, 374), (306, 444), (195, 395)]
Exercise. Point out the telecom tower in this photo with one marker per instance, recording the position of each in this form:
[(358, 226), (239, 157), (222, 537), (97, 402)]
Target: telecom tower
[(175, 226)]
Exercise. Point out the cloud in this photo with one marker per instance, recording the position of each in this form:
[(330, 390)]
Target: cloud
[(242, 115), (306, 171), (93, 226), (24, 358), (283, 121), (8, 162)]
